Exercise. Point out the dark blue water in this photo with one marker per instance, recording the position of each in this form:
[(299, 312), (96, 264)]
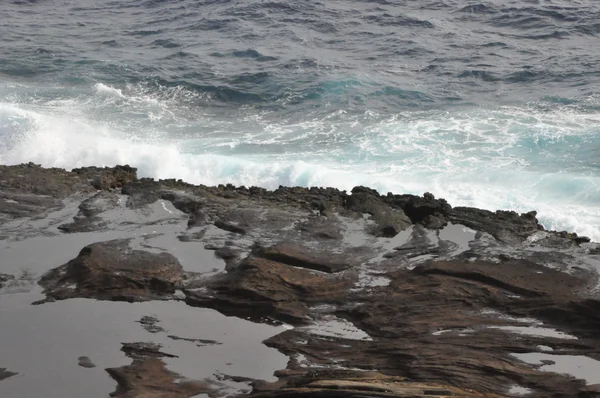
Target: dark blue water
[(493, 104)]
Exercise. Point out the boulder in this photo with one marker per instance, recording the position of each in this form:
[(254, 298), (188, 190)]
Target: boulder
[(113, 271)]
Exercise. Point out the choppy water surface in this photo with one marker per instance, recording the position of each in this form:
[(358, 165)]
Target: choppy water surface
[(490, 104)]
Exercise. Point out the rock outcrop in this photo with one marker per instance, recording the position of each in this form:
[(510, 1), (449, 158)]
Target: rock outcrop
[(113, 271), (389, 295)]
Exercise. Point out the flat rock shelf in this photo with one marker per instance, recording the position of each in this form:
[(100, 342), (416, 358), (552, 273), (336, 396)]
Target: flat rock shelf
[(114, 285)]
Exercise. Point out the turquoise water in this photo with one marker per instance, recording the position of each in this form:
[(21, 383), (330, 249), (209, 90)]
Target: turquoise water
[(494, 105)]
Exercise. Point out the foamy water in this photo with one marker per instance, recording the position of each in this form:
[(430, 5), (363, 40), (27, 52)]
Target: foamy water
[(503, 158)]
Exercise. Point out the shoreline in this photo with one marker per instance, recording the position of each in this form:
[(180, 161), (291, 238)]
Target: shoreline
[(391, 294)]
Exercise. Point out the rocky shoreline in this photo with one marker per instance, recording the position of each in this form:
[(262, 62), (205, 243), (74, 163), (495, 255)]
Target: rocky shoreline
[(370, 295)]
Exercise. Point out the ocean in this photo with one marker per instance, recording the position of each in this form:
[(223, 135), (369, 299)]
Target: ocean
[(490, 104)]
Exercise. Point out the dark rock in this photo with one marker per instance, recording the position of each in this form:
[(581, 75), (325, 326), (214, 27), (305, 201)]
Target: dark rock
[(426, 210), (229, 226), (261, 288), (113, 271), (85, 362), (5, 278), (199, 342), (298, 256), (151, 324), (86, 220), (145, 350), (389, 220), (28, 190), (506, 226), (5, 374)]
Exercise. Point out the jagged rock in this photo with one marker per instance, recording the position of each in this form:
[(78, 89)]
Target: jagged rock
[(27, 190), (506, 226), (107, 178), (429, 324), (389, 221), (302, 257), (113, 271)]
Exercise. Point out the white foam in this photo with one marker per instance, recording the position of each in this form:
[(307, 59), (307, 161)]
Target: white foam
[(107, 90), (466, 157)]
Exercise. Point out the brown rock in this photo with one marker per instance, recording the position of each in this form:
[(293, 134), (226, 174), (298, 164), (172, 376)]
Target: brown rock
[(108, 177), (148, 377), (113, 271), (389, 221), (302, 257), (261, 288), (328, 384)]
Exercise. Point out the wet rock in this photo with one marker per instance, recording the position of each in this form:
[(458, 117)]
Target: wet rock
[(230, 227), (427, 324), (113, 271), (151, 324), (142, 350), (260, 288), (322, 228), (389, 221), (147, 376), (426, 210), (5, 278), (85, 362), (199, 342), (436, 326), (506, 226), (303, 257), (87, 218), (5, 374), (27, 190)]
